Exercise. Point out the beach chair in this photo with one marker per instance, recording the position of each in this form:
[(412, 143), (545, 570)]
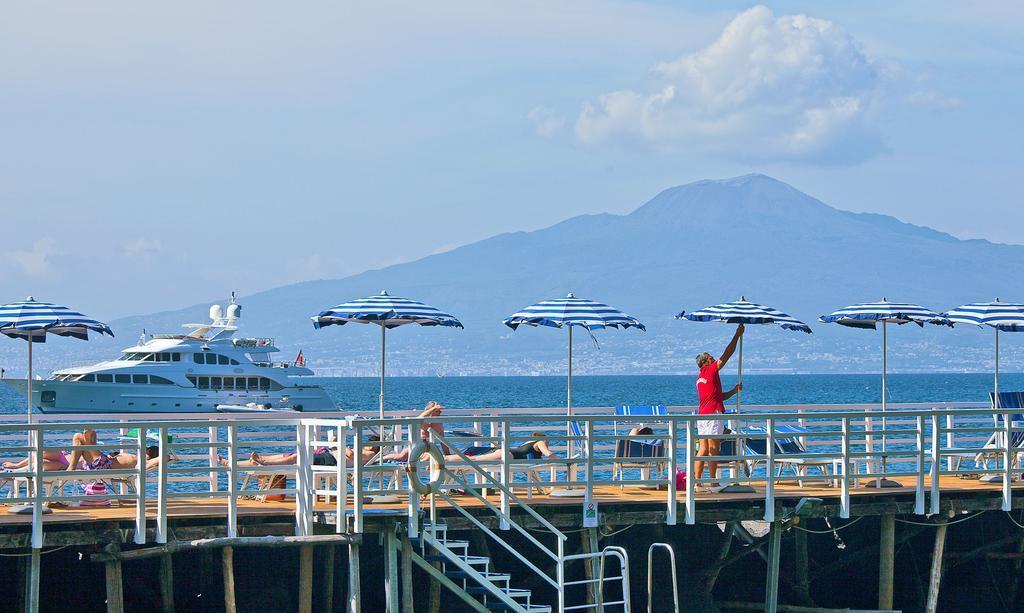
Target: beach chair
[(1007, 400), (791, 448), (634, 454)]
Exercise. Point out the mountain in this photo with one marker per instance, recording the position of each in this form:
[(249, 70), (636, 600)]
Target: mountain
[(689, 246)]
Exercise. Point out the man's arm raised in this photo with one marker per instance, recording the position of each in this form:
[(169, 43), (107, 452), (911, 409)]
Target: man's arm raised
[(731, 348)]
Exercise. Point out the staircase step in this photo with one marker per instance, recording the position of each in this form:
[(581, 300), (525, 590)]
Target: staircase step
[(513, 592), (471, 560), (454, 544), (492, 577), (501, 606)]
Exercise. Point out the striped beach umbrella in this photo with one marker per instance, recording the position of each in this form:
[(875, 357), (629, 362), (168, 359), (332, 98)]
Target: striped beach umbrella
[(1001, 316), (571, 312), (387, 312), (868, 315), (32, 320), (747, 313)]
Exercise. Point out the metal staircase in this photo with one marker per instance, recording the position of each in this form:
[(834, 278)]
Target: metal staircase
[(474, 574)]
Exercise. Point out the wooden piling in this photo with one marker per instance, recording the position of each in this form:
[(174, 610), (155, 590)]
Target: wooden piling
[(228, 562), (166, 583), (935, 578), (802, 578), (407, 588), (886, 560), (306, 579), (115, 588), (590, 570), (328, 572)]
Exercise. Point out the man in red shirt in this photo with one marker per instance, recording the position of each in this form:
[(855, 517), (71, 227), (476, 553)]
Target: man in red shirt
[(709, 391)]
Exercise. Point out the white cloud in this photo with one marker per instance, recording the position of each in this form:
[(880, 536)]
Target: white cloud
[(546, 121), (36, 260), (140, 247), (789, 87)]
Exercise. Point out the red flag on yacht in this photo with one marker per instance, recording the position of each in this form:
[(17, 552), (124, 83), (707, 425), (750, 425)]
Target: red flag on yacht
[(299, 360)]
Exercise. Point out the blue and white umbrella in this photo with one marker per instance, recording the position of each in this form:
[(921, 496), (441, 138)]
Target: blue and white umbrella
[(569, 312), (387, 312), (744, 312), (1002, 316), (32, 320), (868, 315)]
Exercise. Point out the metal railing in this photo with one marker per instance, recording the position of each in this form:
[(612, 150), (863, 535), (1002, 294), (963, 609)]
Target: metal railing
[(925, 442)]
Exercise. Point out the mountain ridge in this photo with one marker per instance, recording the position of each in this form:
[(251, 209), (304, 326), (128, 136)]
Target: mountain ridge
[(689, 246)]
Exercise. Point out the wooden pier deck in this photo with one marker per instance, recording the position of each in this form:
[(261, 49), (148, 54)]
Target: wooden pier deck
[(965, 494)]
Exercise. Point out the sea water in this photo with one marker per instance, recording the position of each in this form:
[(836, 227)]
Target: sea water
[(359, 394)]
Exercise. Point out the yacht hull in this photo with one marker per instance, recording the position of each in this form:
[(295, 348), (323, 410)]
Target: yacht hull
[(50, 396)]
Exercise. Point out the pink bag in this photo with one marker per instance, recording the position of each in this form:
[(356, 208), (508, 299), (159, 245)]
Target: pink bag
[(680, 479), (96, 490)]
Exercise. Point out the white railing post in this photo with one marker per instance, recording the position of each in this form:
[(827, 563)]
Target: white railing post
[(1007, 461), (506, 446), (919, 489), (341, 477), (950, 461), (303, 478), (161, 487), (36, 436), (936, 462), (357, 478), (672, 504), (232, 481), (211, 455), (691, 478), (769, 487), (560, 575), (844, 500), (588, 474), (140, 489), (413, 529)]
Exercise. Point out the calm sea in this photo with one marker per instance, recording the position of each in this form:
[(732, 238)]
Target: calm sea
[(360, 394)]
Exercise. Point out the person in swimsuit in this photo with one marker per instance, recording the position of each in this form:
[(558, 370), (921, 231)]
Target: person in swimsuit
[(433, 409), (533, 449), (92, 459), (52, 460), (324, 456)]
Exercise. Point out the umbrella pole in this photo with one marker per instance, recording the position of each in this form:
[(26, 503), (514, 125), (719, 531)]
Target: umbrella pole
[(996, 382), (739, 376), (29, 380), (568, 397), (383, 338), (882, 481), (738, 488)]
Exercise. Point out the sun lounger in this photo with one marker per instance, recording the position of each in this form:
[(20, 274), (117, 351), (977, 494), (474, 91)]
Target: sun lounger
[(634, 454), (997, 442), (788, 449)]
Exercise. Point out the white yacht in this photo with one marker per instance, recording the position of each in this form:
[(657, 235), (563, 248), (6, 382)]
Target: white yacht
[(205, 370)]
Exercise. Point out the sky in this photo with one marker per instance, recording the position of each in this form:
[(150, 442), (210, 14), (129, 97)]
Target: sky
[(156, 155)]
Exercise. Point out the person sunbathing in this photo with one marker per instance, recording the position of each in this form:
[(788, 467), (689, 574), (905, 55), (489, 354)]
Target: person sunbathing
[(433, 409), (52, 460), (324, 456), (533, 449), (92, 459)]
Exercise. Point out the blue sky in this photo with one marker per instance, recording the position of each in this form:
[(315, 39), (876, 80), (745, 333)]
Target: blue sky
[(160, 155)]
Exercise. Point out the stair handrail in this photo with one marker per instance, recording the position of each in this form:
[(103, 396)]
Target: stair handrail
[(650, 575), (623, 557), (511, 496)]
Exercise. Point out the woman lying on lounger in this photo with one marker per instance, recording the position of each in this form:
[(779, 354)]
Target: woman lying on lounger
[(52, 460), (533, 449), (92, 459), (324, 456)]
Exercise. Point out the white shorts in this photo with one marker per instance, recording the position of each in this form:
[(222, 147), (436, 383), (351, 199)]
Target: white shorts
[(709, 427)]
